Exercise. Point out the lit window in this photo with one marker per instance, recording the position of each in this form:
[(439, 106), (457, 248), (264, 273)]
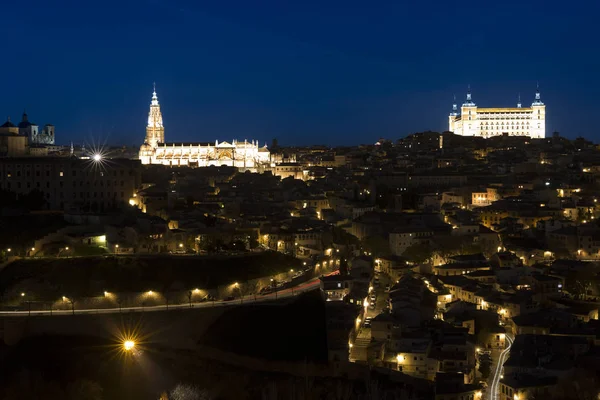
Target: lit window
[(61, 173)]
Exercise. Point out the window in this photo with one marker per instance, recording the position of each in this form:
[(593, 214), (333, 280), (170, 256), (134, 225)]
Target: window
[(60, 173)]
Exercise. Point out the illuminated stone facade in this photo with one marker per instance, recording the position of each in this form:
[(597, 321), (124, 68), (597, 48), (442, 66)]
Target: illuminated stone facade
[(12, 143), (244, 155), (70, 183), (489, 122)]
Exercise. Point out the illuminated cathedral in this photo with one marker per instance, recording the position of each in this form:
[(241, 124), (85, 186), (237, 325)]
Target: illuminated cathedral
[(246, 155)]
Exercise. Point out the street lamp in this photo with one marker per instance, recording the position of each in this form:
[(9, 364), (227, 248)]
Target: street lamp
[(128, 345), (8, 250), (22, 294), (180, 245), (399, 360)]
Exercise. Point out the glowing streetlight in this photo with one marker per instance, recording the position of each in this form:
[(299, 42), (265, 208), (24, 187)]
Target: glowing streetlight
[(150, 292), (106, 293), (97, 157), (128, 345), (33, 249), (196, 290), (22, 294), (8, 249), (400, 358), (67, 248), (64, 298), (180, 245)]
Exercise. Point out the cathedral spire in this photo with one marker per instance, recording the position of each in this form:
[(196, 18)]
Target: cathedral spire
[(155, 132), (519, 101), (154, 96)]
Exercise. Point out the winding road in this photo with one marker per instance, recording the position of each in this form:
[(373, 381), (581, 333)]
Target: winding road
[(308, 286), (493, 390)]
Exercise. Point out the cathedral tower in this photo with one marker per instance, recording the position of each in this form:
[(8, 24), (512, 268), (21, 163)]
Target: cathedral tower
[(155, 131)]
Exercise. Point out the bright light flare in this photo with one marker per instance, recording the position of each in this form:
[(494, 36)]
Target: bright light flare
[(128, 345), (97, 157)]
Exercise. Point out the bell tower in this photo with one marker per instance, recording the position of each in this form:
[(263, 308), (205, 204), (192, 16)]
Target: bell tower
[(155, 131)]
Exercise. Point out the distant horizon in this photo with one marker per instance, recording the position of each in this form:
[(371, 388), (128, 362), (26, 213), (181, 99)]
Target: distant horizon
[(284, 145), (336, 72), (281, 139)]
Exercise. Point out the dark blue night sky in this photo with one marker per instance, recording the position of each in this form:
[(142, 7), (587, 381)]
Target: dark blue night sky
[(304, 71)]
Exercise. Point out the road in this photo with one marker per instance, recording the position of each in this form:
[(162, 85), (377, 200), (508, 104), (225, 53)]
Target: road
[(250, 299), (497, 372)]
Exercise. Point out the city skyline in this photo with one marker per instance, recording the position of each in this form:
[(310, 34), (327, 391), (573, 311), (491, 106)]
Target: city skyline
[(314, 74)]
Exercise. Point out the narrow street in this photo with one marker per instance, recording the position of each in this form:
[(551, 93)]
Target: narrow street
[(361, 344), (497, 371)]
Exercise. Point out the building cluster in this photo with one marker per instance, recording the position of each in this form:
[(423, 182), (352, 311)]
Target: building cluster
[(449, 249), (25, 138)]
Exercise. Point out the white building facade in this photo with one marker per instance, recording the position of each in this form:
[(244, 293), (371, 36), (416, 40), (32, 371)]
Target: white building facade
[(31, 130), (489, 122), (244, 155)]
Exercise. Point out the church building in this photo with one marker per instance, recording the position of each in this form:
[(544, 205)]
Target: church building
[(244, 155)]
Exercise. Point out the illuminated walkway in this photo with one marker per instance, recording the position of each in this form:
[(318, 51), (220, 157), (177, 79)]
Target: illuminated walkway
[(250, 299)]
